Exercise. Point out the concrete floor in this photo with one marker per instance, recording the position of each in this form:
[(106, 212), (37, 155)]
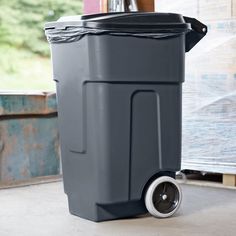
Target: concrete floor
[(41, 210)]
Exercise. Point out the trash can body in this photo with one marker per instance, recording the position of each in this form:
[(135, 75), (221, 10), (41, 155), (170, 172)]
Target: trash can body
[(119, 105)]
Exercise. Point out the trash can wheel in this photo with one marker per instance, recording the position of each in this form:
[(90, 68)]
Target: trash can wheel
[(163, 197)]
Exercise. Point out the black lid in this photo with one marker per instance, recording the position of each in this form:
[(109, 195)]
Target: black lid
[(123, 21)]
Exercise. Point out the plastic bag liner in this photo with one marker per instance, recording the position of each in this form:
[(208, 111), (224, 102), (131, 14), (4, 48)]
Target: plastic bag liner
[(74, 34), (144, 25)]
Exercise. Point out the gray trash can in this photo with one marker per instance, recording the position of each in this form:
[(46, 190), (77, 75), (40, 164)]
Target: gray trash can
[(119, 86)]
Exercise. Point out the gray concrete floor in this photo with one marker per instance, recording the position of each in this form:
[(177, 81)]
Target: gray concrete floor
[(41, 210)]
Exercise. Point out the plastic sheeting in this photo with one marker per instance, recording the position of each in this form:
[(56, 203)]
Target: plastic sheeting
[(209, 93), (73, 34), (209, 102), (184, 7), (200, 9)]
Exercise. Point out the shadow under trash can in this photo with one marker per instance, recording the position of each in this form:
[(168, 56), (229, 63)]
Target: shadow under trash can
[(119, 86)]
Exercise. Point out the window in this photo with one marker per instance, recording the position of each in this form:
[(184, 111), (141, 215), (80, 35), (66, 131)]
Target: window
[(24, 51)]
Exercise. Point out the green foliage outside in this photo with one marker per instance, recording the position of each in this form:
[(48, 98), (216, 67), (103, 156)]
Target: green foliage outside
[(25, 55)]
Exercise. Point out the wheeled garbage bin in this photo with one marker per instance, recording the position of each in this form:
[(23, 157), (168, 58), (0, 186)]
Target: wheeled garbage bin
[(119, 86)]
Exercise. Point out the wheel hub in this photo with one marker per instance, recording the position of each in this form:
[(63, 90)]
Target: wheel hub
[(164, 197)]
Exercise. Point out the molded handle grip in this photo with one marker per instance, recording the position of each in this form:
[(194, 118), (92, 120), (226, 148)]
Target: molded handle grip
[(197, 32)]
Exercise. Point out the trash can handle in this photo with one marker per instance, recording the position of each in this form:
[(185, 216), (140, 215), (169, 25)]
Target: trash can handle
[(197, 32)]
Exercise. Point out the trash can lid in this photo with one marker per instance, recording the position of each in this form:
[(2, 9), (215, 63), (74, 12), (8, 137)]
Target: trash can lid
[(125, 21)]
